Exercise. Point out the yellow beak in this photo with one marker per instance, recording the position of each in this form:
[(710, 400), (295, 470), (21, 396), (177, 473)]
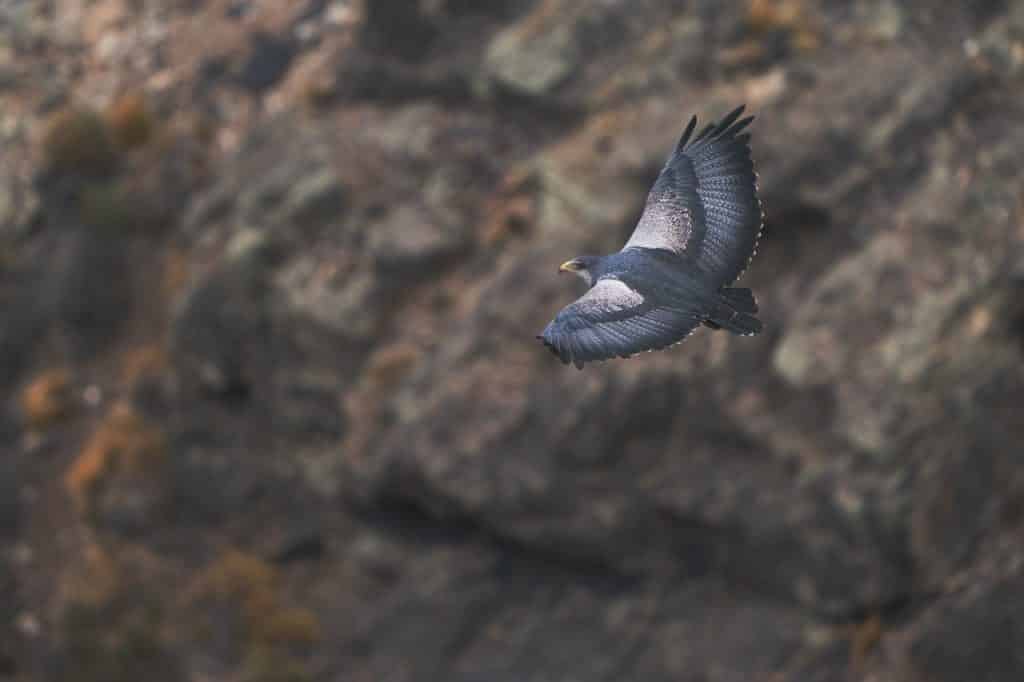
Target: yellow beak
[(568, 266)]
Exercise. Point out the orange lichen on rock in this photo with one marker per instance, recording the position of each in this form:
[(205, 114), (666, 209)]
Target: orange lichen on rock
[(513, 209), (47, 398), (123, 442), (510, 218), (131, 121), (541, 16), (364, 405), (94, 577), (143, 362), (783, 15), (175, 273), (252, 583), (290, 626), (866, 636), (237, 575), (772, 14), (388, 366)]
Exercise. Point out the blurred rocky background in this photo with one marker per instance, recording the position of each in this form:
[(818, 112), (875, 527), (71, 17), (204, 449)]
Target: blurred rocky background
[(272, 406)]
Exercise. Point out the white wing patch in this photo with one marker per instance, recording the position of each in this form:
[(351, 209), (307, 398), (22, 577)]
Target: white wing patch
[(663, 226), (611, 294)]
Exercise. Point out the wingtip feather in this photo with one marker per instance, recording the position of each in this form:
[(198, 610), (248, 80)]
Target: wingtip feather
[(729, 126), (730, 118), (705, 132), (738, 126), (685, 138)]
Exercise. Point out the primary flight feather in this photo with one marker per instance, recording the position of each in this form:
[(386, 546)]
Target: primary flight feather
[(696, 236)]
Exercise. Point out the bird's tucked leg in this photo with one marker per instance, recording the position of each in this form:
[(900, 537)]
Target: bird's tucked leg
[(734, 312), (741, 299)]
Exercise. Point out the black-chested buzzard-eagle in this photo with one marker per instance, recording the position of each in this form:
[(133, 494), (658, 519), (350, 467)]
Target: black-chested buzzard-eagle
[(696, 236)]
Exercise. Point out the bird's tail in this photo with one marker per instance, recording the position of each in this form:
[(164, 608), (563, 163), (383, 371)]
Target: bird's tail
[(735, 312)]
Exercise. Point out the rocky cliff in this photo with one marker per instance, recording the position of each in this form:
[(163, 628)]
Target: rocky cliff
[(274, 409)]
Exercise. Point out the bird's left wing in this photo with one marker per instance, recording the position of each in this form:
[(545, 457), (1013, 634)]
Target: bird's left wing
[(704, 204), (614, 320)]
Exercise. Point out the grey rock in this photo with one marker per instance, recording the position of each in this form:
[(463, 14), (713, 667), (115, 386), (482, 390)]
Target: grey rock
[(533, 65), (346, 304), (510, 619), (208, 209), (1001, 43), (10, 492), (411, 241), (712, 509), (10, 642), (886, 21), (20, 334), (201, 487), (7, 206), (407, 132), (314, 200), (223, 320), (876, 332), (300, 195), (399, 27), (294, 194), (975, 635), (549, 53), (954, 504), (130, 507), (91, 291), (267, 63), (308, 406), (302, 542)]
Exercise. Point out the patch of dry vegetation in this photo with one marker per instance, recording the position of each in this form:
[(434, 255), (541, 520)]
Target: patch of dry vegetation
[(175, 273), (248, 586), (78, 141), (111, 208), (110, 626), (251, 584), (512, 212), (131, 122), (789, 16), (387, 367), (864, 639), (94, 577), (123, 443), (47, 398), (143, 362)]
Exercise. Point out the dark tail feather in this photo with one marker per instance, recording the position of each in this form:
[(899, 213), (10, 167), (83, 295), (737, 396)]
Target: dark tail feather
[(740, 299), (735, 313)]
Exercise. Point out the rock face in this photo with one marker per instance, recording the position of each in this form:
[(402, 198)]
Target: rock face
[(306, 431)]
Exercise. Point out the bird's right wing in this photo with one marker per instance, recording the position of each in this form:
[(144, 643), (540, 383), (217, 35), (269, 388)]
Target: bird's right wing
[(704, 204), (614, 320)]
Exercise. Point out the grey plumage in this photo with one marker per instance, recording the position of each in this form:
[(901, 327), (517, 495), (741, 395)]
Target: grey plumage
[(698, 232)]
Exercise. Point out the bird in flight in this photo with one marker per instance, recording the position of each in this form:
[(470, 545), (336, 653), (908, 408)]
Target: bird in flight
[(698, 232)]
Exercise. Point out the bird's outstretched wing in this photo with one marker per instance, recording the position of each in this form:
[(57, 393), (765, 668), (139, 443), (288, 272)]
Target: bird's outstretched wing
[(704, 204), (613, 320)]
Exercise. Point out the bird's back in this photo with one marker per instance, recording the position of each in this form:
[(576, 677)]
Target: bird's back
[(665, 275)]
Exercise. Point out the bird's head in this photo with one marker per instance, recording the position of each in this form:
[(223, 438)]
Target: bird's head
[(583, 266)]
